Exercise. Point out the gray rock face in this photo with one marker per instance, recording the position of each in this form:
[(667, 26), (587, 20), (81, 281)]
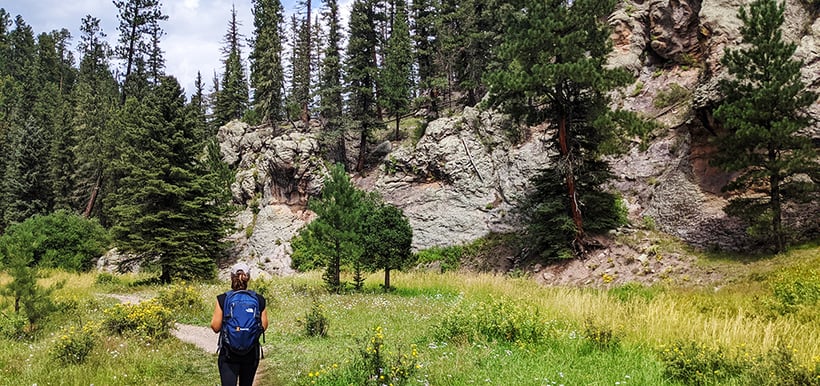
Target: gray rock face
[(461, 180)]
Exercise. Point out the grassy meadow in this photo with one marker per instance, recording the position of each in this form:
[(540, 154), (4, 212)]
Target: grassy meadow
[(443, 329)]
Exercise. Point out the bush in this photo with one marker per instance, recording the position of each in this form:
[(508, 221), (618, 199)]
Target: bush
[(12, 326), (62, 240), (148, 319), (673, 94), (493, 321), (316, 323), (449, 258), (600, 337), (74, 344), (378, 366), (778, 367), (633, 291), (699, 364), (793, 290), (183, 300)]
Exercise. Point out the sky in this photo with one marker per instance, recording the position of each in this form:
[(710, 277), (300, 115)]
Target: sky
[(194, 30)]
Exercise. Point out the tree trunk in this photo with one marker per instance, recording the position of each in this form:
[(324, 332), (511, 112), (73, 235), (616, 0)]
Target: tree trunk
[(90, 206), (774, 191), (362, 150), (386, 279), (165, 276), (398, 119), (563, 140)]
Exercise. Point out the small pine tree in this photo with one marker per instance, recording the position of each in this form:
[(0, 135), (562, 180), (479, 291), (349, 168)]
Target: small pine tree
[(766, 145)]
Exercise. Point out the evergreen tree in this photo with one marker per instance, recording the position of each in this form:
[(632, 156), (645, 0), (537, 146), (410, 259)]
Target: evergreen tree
[(95, 98), (139, 20), (267, 72), (387, 237), (26, 192), (168, 208), (553, 57), (396, 73), (156, 60), (232, 99), (303, 50), (333, 238), (330, 87), (426, 45), (361, 72), (765, 113)]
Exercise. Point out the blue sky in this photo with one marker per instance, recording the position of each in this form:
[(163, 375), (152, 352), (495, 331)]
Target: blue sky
[(193, 32)]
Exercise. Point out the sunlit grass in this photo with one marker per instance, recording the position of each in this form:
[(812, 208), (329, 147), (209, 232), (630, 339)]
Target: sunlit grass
[(735, 316)]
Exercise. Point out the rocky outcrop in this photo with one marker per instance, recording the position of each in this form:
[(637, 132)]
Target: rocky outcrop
[(461, 179)]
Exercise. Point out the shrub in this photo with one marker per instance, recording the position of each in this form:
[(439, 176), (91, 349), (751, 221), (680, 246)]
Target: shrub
[(12, 326), (74, 344), (63, 240), (633, 291), (778, 367), (796, 289), (316, 323), (183, 300), (672, 95), (698, 364), (493, 321), (106, 278), (148, 319), (449, 258), (600, 337), (378, 366)]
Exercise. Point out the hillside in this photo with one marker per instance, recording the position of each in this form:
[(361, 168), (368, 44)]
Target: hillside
[(459, 181)]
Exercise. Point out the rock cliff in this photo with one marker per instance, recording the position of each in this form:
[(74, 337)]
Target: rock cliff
[(461, 179)]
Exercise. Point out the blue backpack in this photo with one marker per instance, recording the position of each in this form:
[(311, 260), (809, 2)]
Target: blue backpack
[(241, 322)]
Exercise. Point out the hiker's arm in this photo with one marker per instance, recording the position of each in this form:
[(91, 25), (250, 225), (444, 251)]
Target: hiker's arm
[(265, 319), (216, 320)]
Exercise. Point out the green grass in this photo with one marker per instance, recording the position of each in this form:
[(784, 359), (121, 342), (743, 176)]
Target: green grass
[(737, 320)]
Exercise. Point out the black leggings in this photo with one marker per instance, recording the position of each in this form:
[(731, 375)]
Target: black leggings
[(241, 369)]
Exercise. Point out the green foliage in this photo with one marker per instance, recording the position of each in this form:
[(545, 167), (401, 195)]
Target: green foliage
[(448, 258), (333, 238), (148, 319), (551, 231), (232, 99), (267, 72), (670, 96), (183, 300), (62, 240), (796, 291), (28, 297), (496, 320), (168, 208), (600, 337), (378, 368), (13, 326), (699, 364), (396, 72), (316, 322), (779, 367), (74, 344), (766, 147), (634, 292), (387, 238)]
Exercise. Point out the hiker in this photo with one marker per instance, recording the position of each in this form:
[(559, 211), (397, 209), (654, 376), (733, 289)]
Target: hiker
[(245, 318)]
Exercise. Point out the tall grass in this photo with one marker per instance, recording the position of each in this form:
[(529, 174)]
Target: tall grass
[(590, 336)]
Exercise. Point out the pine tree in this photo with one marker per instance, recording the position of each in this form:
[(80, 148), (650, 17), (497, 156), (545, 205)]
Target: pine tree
[(553, 57), (361, 73), (330, 87), (139, 20), (426, 44), (303, 49), (334, 237), (232, 99), (267, 72), (95, 98), (26, 192), (396, 73), (387, 238), (168, 208), (766, 147)]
